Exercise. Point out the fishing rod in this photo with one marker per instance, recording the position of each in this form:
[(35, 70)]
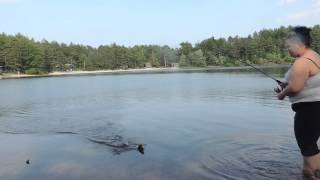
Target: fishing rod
[(264, 73)]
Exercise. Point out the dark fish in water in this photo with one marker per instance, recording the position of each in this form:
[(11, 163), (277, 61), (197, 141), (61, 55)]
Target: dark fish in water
[(28, 161), (120, 147), (141, 148), (113, 142)]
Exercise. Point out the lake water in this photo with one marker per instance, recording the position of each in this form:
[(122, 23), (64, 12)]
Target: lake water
[(204, 125)]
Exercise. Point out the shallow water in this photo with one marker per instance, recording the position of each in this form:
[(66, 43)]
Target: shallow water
[(226, 125)]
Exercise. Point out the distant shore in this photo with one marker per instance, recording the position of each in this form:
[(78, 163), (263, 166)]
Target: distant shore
[(137, 71)]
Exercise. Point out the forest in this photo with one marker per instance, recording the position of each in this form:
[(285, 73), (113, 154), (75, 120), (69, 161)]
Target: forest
[(21, 54)]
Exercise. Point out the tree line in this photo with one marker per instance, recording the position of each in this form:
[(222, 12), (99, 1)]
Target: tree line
[(19, 53)]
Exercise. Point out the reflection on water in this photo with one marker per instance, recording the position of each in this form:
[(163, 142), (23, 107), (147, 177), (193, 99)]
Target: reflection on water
[(226, 125)]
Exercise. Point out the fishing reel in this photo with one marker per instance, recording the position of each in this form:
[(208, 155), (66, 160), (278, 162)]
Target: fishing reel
[(280, 87)]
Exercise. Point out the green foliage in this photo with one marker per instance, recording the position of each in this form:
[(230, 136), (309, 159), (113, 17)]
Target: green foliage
[(266, 46), (33, 71), (197, 59), (186, 48), (21, 54), (183, 62), (316, 38), (228, 64)]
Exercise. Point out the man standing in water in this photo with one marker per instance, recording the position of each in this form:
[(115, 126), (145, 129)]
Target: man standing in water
[(303, 89)]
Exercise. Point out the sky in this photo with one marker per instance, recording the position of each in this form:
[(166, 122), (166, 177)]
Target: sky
[(162, 22)]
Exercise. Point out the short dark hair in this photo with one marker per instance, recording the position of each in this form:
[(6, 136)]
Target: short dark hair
[(303, 33)]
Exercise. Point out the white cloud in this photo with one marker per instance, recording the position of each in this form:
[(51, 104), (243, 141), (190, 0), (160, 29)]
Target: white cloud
[(317, 3), (304, 14), (311, 12), (9, 1), (284, 2)]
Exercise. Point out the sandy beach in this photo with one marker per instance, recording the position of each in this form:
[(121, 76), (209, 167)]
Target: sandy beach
[(136, 71)]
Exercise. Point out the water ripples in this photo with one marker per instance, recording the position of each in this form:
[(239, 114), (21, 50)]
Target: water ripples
[(252, 158), (237, 127)]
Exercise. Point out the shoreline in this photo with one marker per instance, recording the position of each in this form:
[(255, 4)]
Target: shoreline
[(139, 71)]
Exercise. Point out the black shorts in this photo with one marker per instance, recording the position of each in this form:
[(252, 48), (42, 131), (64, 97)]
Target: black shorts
[(307, 126)]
